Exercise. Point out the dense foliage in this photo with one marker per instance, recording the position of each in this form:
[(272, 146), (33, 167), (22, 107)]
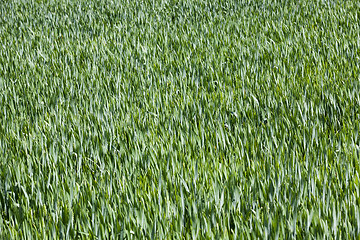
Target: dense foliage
[(179, 119)]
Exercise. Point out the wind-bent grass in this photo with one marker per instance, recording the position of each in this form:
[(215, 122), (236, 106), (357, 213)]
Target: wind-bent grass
[(179, 119)]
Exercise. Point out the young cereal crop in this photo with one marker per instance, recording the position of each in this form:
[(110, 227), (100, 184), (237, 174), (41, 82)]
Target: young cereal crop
[(179, 119)]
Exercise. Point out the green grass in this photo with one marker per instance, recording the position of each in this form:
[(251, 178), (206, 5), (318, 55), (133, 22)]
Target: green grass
[(179, 119)]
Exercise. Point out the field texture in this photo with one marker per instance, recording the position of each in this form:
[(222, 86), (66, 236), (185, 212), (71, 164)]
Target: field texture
[(179, 119)]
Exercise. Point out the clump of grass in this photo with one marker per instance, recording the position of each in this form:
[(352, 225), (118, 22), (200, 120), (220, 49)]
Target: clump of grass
[(179, 119)]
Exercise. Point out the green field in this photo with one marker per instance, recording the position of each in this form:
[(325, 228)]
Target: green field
[(179, 119)]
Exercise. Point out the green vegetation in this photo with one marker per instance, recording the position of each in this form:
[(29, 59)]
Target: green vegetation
[(179, 119)]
